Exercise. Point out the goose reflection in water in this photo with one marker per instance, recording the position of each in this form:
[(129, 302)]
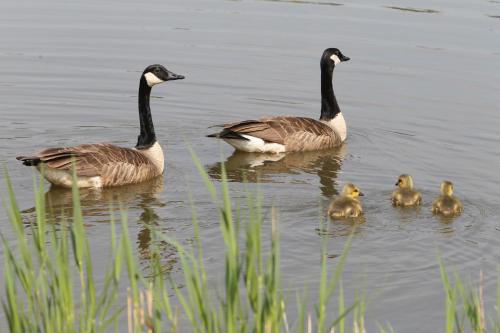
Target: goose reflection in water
[(99, 205), (260, 168)]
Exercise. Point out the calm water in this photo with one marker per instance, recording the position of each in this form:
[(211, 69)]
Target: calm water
[(420, 95)]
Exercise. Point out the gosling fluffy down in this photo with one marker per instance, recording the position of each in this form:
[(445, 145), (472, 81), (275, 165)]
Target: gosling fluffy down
[(447, 204), (347, 205), (405, 195)]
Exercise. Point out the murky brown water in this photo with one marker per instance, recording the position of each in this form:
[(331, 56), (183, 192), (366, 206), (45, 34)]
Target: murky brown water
[(420, 95)]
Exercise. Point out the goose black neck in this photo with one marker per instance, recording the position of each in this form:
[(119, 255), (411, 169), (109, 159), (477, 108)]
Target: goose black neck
[(147, 136), (329, 106)]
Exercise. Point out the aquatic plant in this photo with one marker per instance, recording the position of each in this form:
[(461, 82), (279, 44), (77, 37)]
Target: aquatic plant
[(464, 305), (51, 286)]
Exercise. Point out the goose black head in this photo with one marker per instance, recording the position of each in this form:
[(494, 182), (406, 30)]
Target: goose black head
[(155, 74), (333, 56)]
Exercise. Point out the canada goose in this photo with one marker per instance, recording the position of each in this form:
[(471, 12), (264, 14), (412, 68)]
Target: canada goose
[(405, 195), (100, 165), (280, 134), (447, 204), (347, 205)]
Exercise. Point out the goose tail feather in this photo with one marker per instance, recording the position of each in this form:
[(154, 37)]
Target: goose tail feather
[(227, 134), (29, 160)]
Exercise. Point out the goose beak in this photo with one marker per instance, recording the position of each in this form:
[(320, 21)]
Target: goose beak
[(361, 194), (344, 58), (173, 76)]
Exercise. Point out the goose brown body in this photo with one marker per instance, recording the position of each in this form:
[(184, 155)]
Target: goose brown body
[(293, 133), (98, 165)]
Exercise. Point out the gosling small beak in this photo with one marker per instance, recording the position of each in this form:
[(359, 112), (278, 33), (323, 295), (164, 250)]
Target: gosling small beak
[(173, 76), (361, 194), (397, 184), (344, 58)]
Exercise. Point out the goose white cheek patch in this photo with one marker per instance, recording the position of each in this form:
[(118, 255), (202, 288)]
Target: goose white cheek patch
[(152, 79), (335, 59)]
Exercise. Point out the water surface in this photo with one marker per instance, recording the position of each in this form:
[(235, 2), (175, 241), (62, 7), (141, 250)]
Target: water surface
[(420, 96)]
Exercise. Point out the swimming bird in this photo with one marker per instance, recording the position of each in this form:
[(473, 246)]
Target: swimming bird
[(284, 134), (101, 165), (348, 204), (447, 204), (405, 195)]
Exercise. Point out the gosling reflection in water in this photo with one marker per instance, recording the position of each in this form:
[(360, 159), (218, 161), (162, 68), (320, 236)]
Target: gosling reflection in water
[(99, 205), (260, 168), (342, 228)]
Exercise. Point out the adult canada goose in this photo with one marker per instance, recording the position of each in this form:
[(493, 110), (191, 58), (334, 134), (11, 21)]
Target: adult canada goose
[(447, 204), (281, 134), (100, 165), (348, 204), (405, 195)]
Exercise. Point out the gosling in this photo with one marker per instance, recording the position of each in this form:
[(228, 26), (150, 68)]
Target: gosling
[(347, 205), (447, 204), (405, 195)]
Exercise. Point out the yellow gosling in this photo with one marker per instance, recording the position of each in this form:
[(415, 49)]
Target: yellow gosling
[(447, 204), (347, 205), (405, 195)]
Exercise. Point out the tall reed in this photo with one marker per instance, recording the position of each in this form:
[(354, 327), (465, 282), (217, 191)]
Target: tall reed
[(50, 284), (464, 305)]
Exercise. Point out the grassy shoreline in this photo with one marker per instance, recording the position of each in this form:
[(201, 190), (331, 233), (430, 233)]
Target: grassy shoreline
[(51, 286)]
